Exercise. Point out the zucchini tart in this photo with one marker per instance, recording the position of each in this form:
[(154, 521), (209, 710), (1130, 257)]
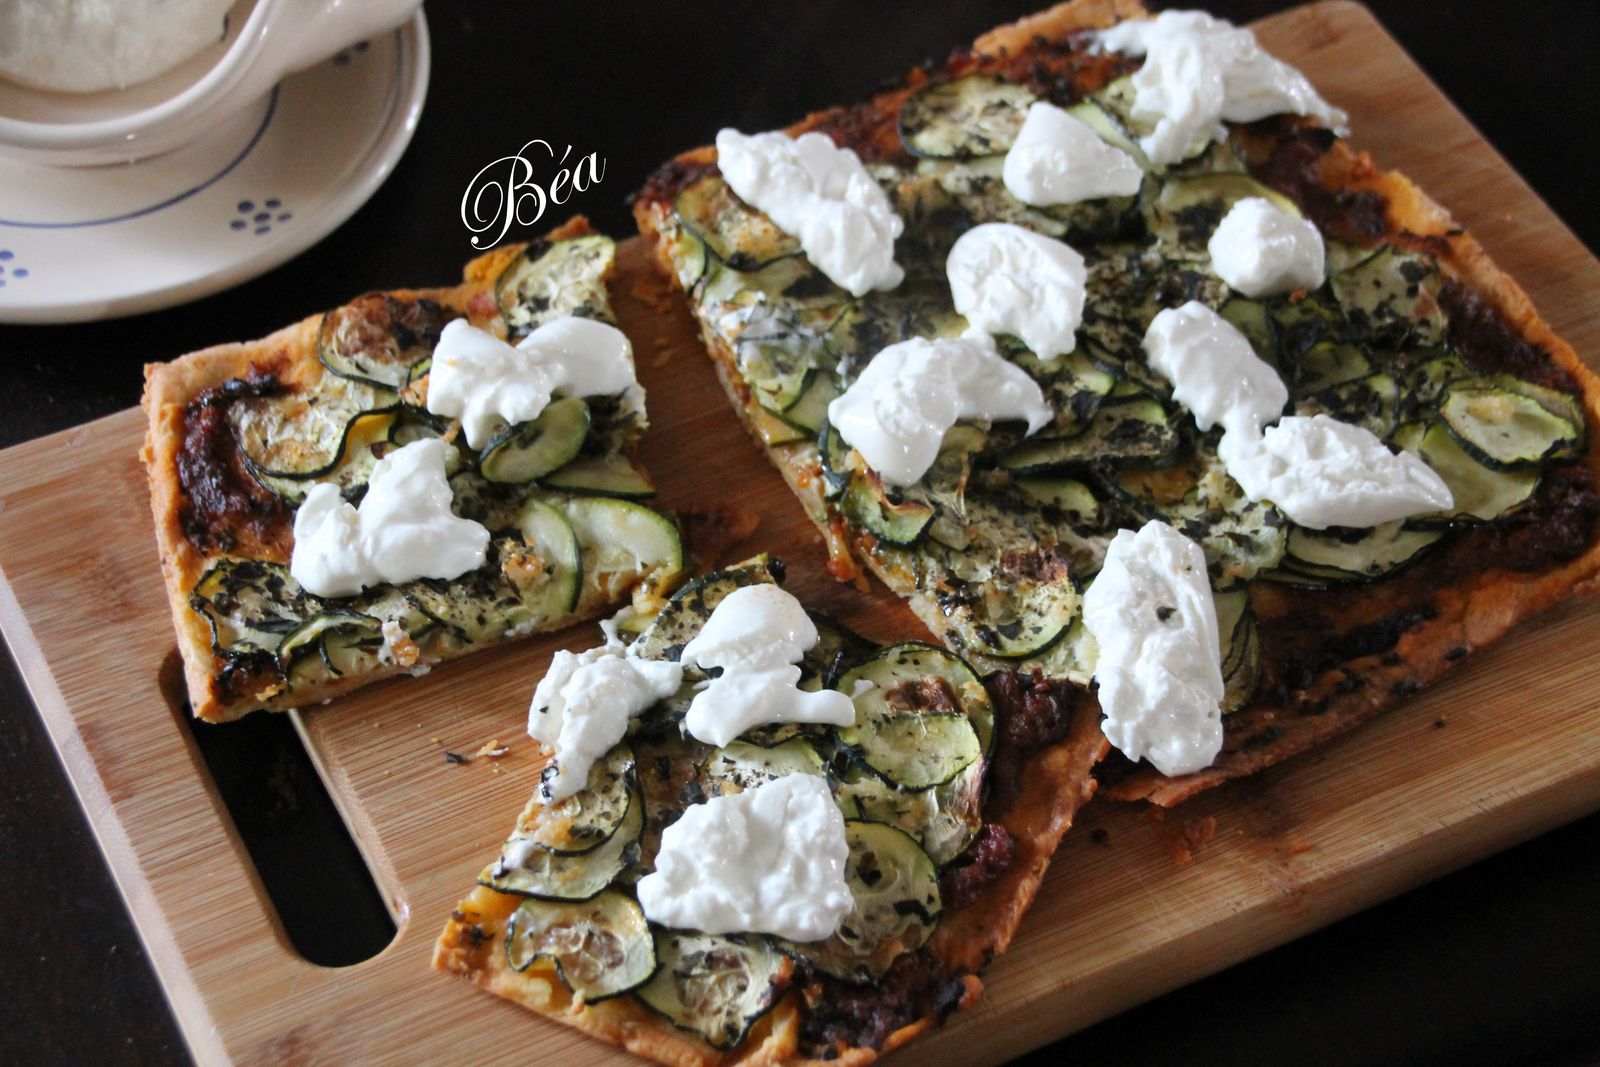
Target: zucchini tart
[(1407, 332), (242, 435)]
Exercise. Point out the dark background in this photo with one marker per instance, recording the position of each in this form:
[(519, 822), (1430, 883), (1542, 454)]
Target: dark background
[(1495, 964)]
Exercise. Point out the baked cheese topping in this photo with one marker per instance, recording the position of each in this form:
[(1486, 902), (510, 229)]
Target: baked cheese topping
[(582, 705), (768, 860), (756, 636), (489, 384), (1008, 280), (1214, 372), (1200, 71), (1318, 471), (1151, 613), (1058, 159), (897, 411), (820, 194), (1260, 250), (403, 530), (1321, 472)]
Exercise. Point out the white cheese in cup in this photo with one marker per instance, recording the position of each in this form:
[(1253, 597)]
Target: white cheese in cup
[(86, 46), (899, 408), (489, 384), (769, 860), (821, 195), (1159, 666), (1011, 280), (1058, 159), (1261, 250), (403, 530)]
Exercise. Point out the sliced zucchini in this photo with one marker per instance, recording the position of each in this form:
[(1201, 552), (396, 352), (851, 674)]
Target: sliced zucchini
[(1479, 493), (301, 435), (977, 115), (1327, 364), (309, 637), (833, 453), (918, 665), (622, 538), (1371, 402), (1139, 430), (1093, 114), (715, 986), (1250, 317), (532, 449), (1505, 429), (251, 606), (1356, 555), (1394, 296), (1017, 611), (600, 947), (686, 613), (943, 819), (911, 724), (900, 524), (483, 604), (585, 820), (613, 474), (739, 766), (1070, 500), (555, 279), (530, 870), (377, 339), (810, 409), (733, 231), (1241, 648), (897, 905)]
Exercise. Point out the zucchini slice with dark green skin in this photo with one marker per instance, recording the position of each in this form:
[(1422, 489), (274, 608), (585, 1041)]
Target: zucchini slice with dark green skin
[(1139, 430), (1506, 429), (612, 474), (519, 454), (943, 819), (530, 870), (1022, 607), (1479, 493), (739, 765), (1394, 295), (1356, 555), (901, 524), (715, 986), (1327, 364), (378, 338), (912, 726), (304, 436), (810, 409), (585, 820), (600, 947), (1250, 317), (554, 587), (1093, 114), (554, 279), (733, 231), (895, 887), (1186, 211), (977, 115), (1372, 403), (251, 606), (832, 452), (618, 537), (308, 637), (686, 613), (1066, 497), (1241, 648)]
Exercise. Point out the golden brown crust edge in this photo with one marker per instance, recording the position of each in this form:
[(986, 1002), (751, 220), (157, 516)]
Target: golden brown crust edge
[(169, 388)]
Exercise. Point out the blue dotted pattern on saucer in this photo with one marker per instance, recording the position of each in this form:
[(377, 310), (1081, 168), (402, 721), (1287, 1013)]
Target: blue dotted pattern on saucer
[(8, 271), (259, 218)]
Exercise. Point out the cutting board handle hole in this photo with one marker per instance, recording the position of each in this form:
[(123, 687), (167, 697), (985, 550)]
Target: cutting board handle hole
[(325, 896)]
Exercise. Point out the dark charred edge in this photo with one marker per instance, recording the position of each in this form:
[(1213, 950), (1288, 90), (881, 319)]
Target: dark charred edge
[(840, 1016), (966, 877), (1031, 712), (220, 497), (1489, 343), (1285, 153)]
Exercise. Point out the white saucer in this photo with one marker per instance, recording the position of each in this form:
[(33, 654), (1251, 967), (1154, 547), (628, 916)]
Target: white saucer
[(96, 242)]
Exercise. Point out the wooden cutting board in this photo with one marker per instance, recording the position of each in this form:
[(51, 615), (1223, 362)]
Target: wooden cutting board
[(1499, 752)]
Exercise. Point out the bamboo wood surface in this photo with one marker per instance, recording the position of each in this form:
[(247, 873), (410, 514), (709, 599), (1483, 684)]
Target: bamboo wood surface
[(1497, 753)]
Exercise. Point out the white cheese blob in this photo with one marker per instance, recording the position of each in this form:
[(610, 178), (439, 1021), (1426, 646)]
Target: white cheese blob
[(1261, 250), (489, 384), (1213, 370), (582, 705), (769, 860), (898, 409), (820, 194), (1006, 279), (86, 46), (756, 635), (1321, 472), (403, 530), (1058, 159), (1199, 71), (1151, 613)]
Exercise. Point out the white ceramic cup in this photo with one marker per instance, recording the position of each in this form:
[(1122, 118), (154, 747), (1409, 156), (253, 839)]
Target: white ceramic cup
[(266, 40)]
